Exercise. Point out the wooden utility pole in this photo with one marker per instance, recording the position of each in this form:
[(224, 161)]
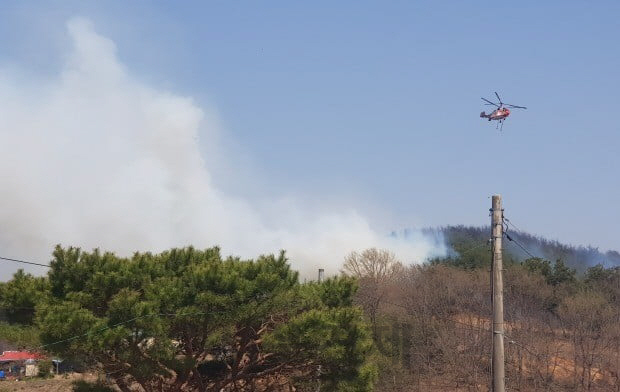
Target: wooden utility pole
[(497, 231)]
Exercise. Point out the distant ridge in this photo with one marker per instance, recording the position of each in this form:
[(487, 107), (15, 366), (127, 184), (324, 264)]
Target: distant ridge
[(460, 238)]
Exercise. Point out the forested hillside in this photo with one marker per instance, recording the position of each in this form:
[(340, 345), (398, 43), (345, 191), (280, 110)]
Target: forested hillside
[(466, 248)]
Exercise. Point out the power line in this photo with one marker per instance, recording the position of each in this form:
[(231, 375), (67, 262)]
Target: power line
[(513, 225), (24, 262), (126, 322), (520, 246), (514, 240)]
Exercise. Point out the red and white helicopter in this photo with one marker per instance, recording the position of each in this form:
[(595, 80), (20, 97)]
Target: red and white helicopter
[(501, 113)]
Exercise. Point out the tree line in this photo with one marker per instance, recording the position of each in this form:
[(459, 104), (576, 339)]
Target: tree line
[(192, 320)]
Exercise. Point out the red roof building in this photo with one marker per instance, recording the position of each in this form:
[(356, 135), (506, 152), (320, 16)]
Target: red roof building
[(12, 356)]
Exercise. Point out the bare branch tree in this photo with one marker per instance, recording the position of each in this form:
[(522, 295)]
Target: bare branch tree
[(376, 270)]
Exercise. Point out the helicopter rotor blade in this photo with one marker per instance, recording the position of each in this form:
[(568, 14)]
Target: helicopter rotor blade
[(489, 102), (515, 106), (498, 98)]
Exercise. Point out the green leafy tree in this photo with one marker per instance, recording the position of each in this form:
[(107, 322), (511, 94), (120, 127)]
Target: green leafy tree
[(538, 265), (555, 274), (189, 320), (19, 296), (562, 274), (19, 336)]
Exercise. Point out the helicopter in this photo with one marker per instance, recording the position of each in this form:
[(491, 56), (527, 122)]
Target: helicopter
[(501, 113)]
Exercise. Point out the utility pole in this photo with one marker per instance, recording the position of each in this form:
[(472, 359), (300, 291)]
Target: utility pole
[(497, 231)]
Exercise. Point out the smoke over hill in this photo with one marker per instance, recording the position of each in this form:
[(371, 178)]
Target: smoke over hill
[(93, 157)]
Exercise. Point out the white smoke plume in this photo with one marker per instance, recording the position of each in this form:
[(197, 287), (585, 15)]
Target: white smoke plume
[(95, 158)]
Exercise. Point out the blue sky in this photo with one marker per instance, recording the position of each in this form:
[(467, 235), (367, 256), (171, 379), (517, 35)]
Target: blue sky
[(375, 104)]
